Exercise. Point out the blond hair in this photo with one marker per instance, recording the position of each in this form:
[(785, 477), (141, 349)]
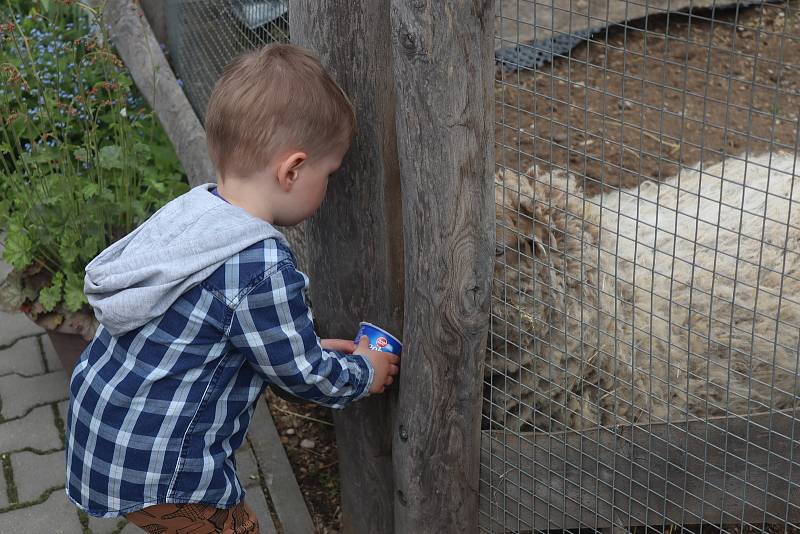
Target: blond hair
[(276, 98)]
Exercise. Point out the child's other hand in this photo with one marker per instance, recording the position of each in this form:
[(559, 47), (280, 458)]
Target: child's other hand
[(385, 364), (339, 345)]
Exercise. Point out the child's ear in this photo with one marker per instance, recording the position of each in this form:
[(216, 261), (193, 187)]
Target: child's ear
[(289, 169)]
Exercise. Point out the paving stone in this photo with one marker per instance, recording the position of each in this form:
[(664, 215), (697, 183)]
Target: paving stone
[(108, 525), (57, 515), (35, 473), (22, 357), (255, 498), (63, 407), (14, 326), (130, 528), (3, 492), (20, 394), (246, 467), (53, 363), (36, 430)]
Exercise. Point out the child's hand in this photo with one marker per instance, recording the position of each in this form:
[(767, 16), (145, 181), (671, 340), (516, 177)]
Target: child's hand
[(385, 364), (339, 345)]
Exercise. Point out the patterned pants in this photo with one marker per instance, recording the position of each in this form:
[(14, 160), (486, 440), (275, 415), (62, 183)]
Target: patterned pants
[(195, 519)]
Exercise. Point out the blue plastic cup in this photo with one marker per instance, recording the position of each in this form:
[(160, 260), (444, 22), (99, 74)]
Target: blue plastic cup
[(379, 339)]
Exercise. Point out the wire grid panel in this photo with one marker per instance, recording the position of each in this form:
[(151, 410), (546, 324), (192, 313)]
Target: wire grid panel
[(205, 35), (642, 367)]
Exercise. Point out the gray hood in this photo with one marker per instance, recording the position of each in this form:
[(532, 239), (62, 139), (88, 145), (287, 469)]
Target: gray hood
[(140, 276)]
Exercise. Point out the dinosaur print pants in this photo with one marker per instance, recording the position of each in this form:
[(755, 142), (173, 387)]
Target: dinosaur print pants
[(195, 519)]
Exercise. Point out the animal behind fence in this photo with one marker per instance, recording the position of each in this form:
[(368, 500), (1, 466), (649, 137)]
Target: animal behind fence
[(669, 301)]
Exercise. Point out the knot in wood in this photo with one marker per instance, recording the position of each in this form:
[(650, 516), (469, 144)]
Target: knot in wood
[(410, 41), (402, 498)]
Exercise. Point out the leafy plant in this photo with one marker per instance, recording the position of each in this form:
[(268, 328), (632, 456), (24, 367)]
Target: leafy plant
[(83, 160)]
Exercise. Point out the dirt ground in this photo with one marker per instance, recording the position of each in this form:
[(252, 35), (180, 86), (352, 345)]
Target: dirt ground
[(663, 93), (316, 468), (632, 105)]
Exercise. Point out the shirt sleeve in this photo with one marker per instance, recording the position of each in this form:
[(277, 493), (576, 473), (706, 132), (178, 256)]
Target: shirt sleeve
[(273, 328)]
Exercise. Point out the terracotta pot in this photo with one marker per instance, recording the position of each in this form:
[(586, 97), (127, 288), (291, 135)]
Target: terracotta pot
[(68, 348)]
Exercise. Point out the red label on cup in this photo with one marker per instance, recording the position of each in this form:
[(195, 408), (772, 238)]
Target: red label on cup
[(382, 342)]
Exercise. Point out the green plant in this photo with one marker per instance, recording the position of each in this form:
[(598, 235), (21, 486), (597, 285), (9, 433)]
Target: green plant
[(82, 158)]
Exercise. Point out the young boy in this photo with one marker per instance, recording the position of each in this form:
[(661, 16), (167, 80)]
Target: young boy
[(202, 306)]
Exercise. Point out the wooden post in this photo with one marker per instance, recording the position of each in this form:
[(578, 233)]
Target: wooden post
[(354, 242), (156, 13), (444, 72), (153, 76)]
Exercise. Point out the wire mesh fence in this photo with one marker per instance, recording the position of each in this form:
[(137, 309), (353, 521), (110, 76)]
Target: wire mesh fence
[(642, 368), (205, 35), (642, 364)]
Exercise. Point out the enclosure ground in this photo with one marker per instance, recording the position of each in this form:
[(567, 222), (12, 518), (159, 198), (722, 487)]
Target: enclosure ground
[(666, 91)]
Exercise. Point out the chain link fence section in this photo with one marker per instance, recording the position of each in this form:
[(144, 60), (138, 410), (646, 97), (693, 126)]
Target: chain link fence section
[(642, 368), (205, 35)]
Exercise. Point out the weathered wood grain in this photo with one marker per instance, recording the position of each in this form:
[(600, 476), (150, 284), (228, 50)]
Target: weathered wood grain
[(156, 13), (442, 52), (355, 245), (722, 471)]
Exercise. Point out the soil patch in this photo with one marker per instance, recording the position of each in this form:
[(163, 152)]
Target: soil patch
[(671, 90)]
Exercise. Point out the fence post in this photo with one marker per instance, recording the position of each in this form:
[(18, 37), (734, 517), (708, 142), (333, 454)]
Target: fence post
[(444, 72), (355, 242)]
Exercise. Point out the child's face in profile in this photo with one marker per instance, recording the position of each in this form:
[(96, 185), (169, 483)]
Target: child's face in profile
[(308, 191)]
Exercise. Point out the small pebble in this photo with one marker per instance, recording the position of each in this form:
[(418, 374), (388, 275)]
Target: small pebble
[(290, 431), (307, 444), (626, 104), (253, 477), (284, 440)]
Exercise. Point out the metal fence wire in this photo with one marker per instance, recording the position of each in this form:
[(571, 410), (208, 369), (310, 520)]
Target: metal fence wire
[(642, 368), (642, 364), (205, 35)]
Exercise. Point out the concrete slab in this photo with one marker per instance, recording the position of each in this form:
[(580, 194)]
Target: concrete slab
[(3, 490), (20, 394), (56, 515), (14, 326), (36, 473), (290, 507), (53, 363), (63, 407), (108, 525), (130, 528), (36, 430), (23, 357), (246, 467), (255, 498)]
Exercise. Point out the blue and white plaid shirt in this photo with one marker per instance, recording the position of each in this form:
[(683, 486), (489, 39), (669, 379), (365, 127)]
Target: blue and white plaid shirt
[(156, 414)]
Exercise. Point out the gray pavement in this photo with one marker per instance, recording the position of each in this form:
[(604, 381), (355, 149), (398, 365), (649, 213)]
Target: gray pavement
[(33, 395)]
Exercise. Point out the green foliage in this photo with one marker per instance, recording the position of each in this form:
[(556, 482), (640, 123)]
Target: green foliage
[(83, 160)]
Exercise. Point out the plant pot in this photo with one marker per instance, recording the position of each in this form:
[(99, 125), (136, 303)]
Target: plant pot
[(69, 348), (70, 334)]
